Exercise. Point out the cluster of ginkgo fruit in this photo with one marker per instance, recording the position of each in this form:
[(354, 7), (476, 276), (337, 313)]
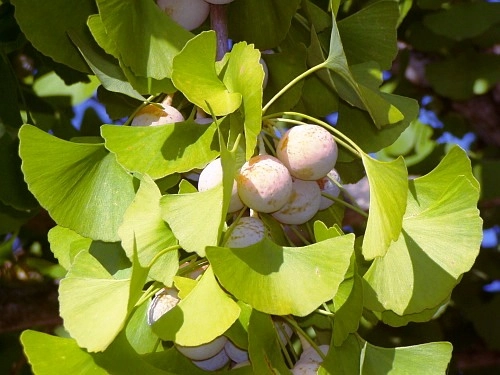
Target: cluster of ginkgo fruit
[(292, 187)]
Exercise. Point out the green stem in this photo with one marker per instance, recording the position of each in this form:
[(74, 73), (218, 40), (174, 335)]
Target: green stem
[(344, 203), (291, 83), (147, 294), (298, 234), (231, 227), (269, 144), (300, 331), (158, 255)]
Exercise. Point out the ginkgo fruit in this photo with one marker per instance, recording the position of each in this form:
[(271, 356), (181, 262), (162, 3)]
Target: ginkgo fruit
[(302, 205), (157, 114), (190, 14), (309, 361), (308, 151), (163, 301), (211, 176), (214, 363), (264, 183), (328, 186), (219, 1), (246, 232), (204, 351)]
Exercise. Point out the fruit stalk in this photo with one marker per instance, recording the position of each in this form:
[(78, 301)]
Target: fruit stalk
[(218, 22)]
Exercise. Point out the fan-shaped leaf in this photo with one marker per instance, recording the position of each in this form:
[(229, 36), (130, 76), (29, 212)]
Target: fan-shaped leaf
[(380, 109), (357, 356), (93, 304), (283, 280), (264, 348), (264, 23), (370, 34), (204, 314), (388, 188), (150, 51), (50, 355), (53, 41), (162, 150), (194, 74), (144, 229), (439, 241), (195, 218), (244, 74), (81, 185)]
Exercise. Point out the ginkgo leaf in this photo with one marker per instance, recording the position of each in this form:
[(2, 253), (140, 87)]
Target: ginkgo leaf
[(49, 354), (94, 304), (195, 218), (244, 74), (148, 53), (440, 239), (283, 280), (194, 74), (162, 150), (357, 356), (388, 183), (80, 184), (144, 229), (204, 314), (380, 109)]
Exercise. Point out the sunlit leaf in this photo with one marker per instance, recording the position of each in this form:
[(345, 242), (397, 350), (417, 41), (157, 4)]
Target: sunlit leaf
[(439, 241), (283, 280), (139, 333), (66, 244), (51, 84), (204, 314), (425, 359), (388, 188), (348, 303), (51, 354), (149, 53), (93, 304), (162, 150), (195, 218), (144, 229), (358, 356), (244, 74), (81, 185), (194, 74), (100, 35)]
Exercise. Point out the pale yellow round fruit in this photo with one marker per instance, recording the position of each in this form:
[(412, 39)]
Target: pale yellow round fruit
[(211, 176), (153, 115), (247, 231), (204, 351), (264, 183), (190, 14), (308, 151), (302, 205)]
